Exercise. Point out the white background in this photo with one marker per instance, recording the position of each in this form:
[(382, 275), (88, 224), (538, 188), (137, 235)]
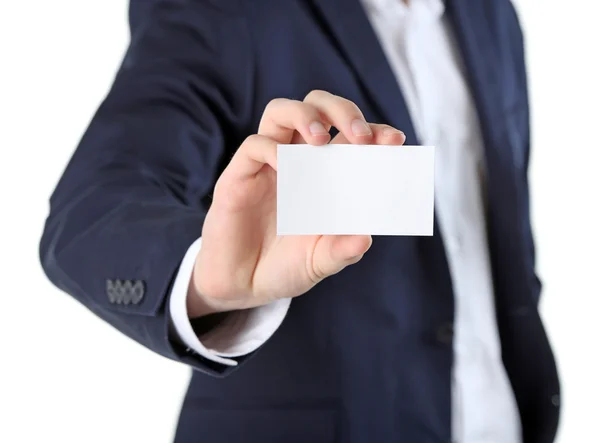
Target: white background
[(67, 377)]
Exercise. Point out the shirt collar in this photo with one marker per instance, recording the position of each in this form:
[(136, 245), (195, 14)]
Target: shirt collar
[(436, 7)]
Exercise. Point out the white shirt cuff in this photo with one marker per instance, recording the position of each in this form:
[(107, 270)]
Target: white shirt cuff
[(240, 333)]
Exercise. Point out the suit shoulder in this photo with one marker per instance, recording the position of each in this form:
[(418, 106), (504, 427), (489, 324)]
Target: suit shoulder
[(140, 9)]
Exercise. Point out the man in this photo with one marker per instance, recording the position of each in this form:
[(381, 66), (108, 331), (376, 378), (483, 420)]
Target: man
[(163, 223)]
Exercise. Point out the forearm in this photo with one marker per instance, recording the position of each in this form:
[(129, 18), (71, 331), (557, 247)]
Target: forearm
[(120, 229)]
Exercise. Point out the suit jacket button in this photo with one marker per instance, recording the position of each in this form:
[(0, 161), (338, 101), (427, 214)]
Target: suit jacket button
[(137, 291), (555, 400), (111, 291), (445, 333)]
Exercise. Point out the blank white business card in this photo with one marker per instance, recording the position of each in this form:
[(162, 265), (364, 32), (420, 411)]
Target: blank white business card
[(355, 189)]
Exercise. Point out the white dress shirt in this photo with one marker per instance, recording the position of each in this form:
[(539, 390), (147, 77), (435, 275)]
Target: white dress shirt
[(420, 50)]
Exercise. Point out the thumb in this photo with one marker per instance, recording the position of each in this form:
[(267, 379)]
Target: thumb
[(334, 252)]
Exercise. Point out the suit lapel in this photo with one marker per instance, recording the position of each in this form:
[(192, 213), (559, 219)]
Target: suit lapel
[(350, 27), (474, 39), (471, 22)]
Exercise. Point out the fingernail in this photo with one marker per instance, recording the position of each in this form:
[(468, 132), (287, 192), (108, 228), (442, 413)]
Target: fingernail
[(360, 128), (317, 128), (387, 132)]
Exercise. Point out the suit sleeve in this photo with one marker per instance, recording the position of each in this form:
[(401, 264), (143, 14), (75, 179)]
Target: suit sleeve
[(134, 195)]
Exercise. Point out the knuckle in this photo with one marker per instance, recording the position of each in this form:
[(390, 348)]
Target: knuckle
[(304, 111), (333, 103), (252, 140), (348, 106), (271, 107), (286, 110), (316, 94), (274, 103), (298, 107)]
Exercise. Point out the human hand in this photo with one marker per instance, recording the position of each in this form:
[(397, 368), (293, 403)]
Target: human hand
[(242, 262)]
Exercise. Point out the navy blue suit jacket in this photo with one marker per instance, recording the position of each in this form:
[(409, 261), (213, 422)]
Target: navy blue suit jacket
[(366, 356)]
